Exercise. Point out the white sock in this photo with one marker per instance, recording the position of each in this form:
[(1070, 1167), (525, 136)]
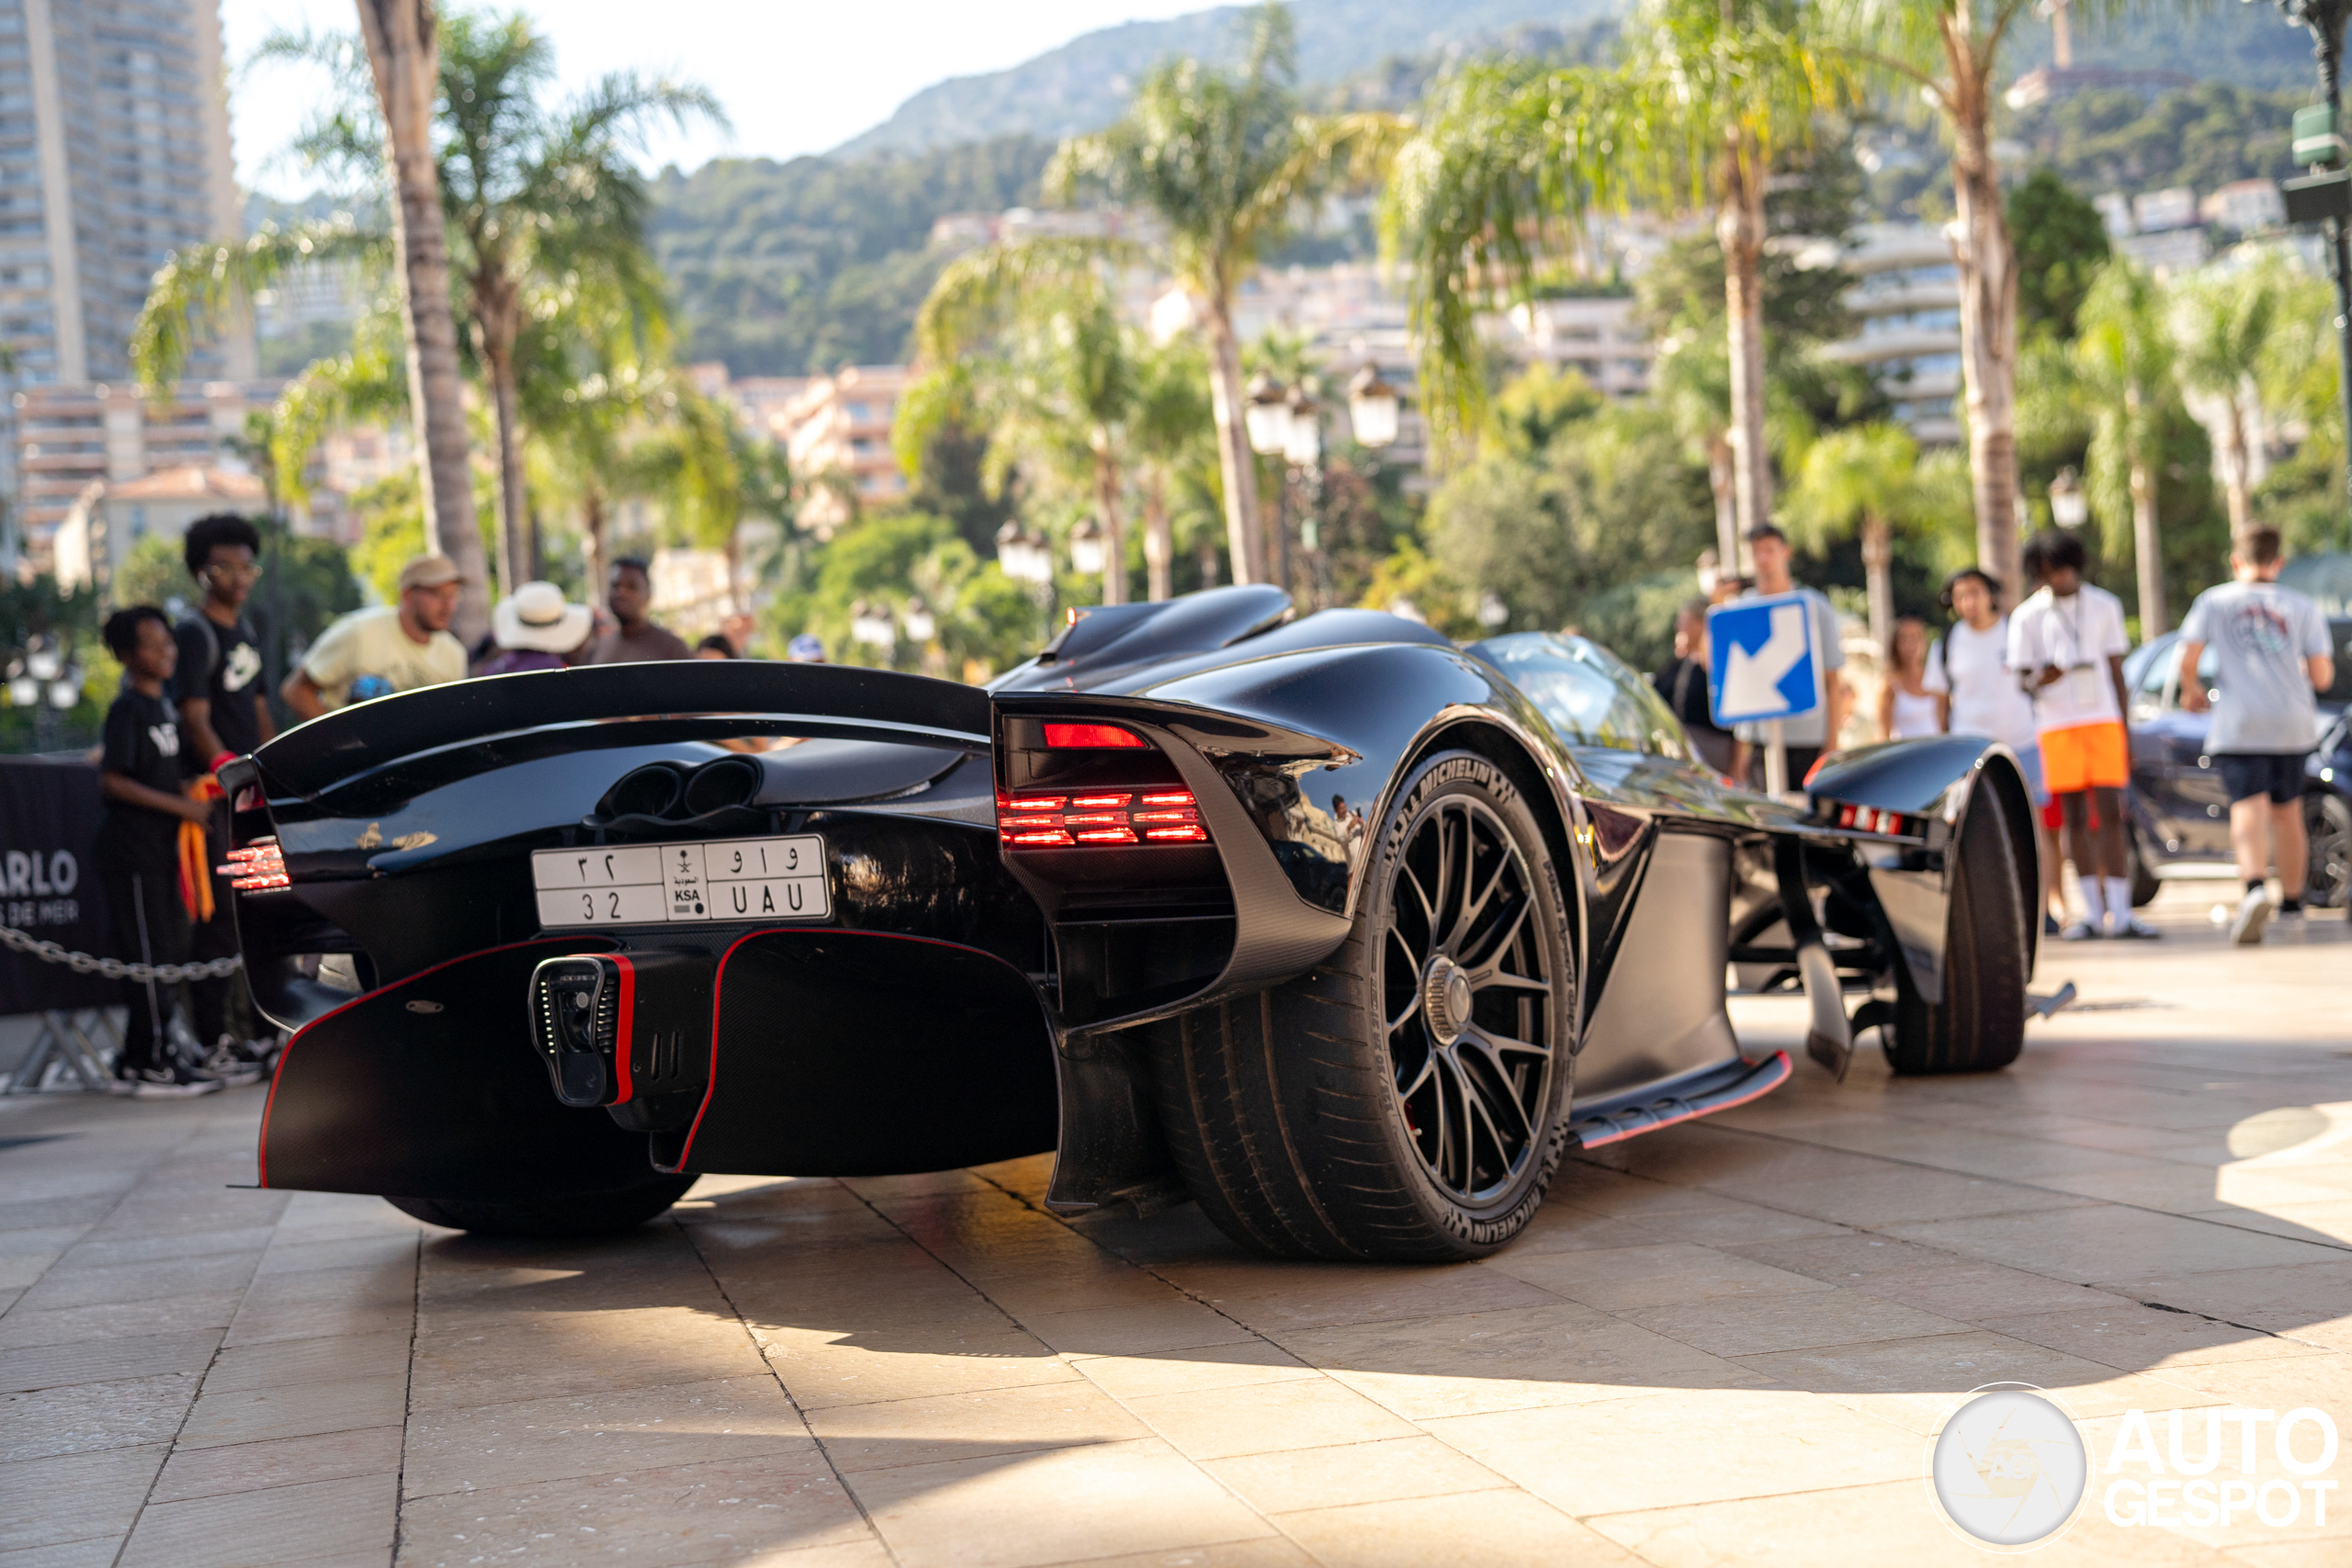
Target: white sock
[(2118, 899), (2094, 904)]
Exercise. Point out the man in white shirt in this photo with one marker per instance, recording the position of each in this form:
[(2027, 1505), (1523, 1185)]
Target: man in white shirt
[(1970, 664), (2068, 642), (2274, 655)]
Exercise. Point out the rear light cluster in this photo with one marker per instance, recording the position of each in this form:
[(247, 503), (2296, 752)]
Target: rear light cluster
[(1869, 819), (1098, 816), (259, 867)]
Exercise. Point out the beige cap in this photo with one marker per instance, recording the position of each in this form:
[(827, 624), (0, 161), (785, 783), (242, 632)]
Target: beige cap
[(428, 571)]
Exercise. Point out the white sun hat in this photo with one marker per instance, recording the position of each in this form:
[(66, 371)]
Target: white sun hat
[(535, 616)]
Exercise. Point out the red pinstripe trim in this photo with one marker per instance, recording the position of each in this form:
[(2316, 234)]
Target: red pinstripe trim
[(1780, 1059), (718, 989), (621, 1029), (262, 1153)]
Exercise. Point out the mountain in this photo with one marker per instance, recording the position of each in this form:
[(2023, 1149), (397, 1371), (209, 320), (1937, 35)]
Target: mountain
[(1085, 85)]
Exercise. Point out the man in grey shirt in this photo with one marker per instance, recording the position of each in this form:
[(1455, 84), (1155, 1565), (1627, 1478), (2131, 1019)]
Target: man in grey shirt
[(2271, 647), (1812, 735)]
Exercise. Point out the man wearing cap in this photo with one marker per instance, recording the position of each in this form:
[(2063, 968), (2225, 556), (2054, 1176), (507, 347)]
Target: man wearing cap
[(536, 630), (397, 646)]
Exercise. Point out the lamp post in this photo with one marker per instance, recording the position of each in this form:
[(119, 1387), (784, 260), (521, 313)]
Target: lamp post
[(1026, 559), (1086, 547), (2069, 507), (45, 679), (1374, 408), (2323, 146)]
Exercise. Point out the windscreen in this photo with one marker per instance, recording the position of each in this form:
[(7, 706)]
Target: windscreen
[(1590, 696)]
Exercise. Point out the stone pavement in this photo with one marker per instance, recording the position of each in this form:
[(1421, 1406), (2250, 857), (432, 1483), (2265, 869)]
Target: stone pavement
[(1722, 1343)]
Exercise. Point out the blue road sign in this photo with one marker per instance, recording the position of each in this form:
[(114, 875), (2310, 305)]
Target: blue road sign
[(1762, 661)]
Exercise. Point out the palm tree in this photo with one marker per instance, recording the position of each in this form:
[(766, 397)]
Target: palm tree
[(1067, 384), (404, 63), (1863, 480), (1226, 160), (2239, 348), (1170, 430), (1948, 53), (547, 208), (1515, 157), (2120, 370)]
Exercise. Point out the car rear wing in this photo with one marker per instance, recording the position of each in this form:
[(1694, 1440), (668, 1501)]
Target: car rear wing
[(416, 740)]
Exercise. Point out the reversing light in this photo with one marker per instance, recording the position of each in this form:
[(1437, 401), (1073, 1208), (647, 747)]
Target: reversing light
[(1091, 736), (1058, 821), (259, 867)]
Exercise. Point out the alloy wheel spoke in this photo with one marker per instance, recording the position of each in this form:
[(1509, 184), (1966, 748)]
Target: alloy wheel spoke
[(1497, 948)]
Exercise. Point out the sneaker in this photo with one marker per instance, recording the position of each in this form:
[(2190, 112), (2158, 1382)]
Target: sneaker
[(2132, 928), (2078, 931), (2253, 913), (174, 1082), (234, 1061), (2289, 910)]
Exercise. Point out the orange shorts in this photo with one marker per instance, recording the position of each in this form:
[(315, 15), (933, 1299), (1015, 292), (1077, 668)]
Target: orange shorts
[(2088, 756)]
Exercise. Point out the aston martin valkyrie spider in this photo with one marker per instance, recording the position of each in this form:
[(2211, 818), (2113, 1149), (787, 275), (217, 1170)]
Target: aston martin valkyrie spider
[(1342, 931)]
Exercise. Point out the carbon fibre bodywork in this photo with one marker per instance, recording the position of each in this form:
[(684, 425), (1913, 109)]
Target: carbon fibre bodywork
[(961, 1001)]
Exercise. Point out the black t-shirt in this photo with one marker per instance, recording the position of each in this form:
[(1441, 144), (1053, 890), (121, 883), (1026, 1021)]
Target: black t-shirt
[(142, 744), (1683, 684), (231, 687)]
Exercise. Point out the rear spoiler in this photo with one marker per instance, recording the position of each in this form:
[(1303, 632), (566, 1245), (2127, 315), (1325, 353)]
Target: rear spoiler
[(463, 727)]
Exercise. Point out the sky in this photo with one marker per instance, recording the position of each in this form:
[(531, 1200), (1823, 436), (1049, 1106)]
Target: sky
[(795, 78)]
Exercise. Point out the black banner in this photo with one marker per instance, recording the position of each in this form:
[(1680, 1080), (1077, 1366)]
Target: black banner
[(49, 886)]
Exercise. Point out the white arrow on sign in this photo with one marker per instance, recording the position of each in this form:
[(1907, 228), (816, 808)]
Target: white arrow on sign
[(1752, 681)]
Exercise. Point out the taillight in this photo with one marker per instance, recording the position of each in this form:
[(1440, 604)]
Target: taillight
[(1869, 819), (1058, 821), (1091, 736), (259, 867)]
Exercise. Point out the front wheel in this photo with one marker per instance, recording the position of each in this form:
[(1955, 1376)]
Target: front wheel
[(1405, 1099), (1979, 1026), (581, 1215), (2327, 824)]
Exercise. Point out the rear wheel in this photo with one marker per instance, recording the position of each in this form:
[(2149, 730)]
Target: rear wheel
[(1404, 1100), (2144, 885), (2327, 823), (1979, 1026), (582, 1213)]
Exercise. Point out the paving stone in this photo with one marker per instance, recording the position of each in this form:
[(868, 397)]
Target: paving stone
[(1463, 1530), (783, 1508), (859, 1438), (280, 1461), (283, 1525), (107, 1361), (1289, 1480), (539, 1440), (85, 1416), (294, 1410), (73, 1497)]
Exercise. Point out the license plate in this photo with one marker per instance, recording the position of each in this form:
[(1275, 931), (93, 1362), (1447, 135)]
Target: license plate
[(652, 885)]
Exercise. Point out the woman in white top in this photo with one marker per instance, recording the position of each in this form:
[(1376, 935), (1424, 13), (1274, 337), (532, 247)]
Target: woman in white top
[(1970, 664), (1907, 706)]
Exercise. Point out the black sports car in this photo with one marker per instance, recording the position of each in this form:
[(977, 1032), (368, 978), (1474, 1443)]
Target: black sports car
[(1335, 927)]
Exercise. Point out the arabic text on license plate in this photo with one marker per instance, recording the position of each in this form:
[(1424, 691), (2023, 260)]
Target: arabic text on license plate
[(718, 879)]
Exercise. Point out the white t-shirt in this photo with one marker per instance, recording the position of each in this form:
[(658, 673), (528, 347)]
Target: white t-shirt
[(1986, 697), (370, 642), (2079, 634)]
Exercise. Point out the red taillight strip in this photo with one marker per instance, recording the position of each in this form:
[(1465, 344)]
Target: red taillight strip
[(1125, 816), (258, 867)]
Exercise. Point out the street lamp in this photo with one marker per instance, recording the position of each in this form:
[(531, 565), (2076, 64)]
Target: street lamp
[(2319, 140), (2069, 508), (872, 626), (44, 680), (1022, 556), (1372, 409), (1086, 547), (1268, 415), (919, 625), (1303, 442)]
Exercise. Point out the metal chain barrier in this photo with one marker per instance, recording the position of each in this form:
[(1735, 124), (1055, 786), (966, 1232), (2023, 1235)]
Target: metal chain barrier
[(115, 968)]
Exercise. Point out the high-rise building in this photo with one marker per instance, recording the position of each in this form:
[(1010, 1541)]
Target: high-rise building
[(114, 152)]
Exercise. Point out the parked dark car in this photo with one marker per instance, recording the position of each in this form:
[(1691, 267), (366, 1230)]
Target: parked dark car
[(2180, 812), (1340, 930)]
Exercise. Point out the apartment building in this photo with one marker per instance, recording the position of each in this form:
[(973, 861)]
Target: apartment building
[(114, 152), (1907, 295), (71, 436), (840, 426)]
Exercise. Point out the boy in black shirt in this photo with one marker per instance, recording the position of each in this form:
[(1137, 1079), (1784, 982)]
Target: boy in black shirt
[(222, 713), (138, 856)]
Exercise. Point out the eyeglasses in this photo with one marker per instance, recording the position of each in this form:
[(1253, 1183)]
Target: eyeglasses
[(246, 569)]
